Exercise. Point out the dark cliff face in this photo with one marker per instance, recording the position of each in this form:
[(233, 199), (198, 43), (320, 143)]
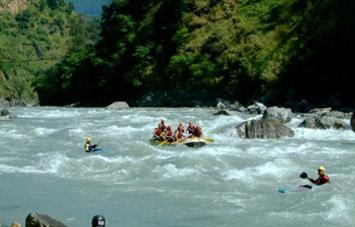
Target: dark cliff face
[(13, 6)]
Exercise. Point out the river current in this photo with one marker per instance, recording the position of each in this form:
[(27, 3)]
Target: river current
[(232, 182)]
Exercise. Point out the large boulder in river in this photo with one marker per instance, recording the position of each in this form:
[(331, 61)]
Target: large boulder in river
[(324, 122), (284, 115), (41, 220), (352, 122), (256, 108), (6, 114), (265, 129), (118, 106)]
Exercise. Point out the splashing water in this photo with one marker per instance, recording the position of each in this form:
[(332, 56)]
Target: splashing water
[(232, 182)]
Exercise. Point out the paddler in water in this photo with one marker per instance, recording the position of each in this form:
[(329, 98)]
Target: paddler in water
[(322, 179), (89, 147)]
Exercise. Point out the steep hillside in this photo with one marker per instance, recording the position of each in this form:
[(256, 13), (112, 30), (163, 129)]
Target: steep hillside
[(13, 6), (31, 42), (245, 49)]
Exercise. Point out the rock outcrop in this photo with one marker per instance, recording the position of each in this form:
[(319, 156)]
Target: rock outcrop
[(352, 122), (13, 6), (41, 220), (118, 106), (265, 129), (257, 108), (324, 122), (284, 115)]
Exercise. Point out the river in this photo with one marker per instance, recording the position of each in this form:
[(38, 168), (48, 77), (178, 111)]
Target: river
[(232, 182)]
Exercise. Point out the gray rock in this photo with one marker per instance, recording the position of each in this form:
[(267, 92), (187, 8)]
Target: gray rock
[(221, 106), (281, 114), (309, 122), (4, 102), (118, 106), (266, 129), (6, 114), (223, 112), (41, 220), (338, 114), (352, 122), (321, 111), (257, 108), (324, 122)]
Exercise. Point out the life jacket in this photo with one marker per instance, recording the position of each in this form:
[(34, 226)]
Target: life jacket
[(179, 135), (322, 180), (169, 133), (157, 132)]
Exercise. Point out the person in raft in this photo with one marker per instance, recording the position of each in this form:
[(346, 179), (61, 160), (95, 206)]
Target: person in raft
[(89, 147), (179, 133), (197, 131), (158, 133), (162, 125), (322, 179), (169, 134), (190, 128)]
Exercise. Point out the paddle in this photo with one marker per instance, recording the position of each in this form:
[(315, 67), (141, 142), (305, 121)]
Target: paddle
[(303, 175)]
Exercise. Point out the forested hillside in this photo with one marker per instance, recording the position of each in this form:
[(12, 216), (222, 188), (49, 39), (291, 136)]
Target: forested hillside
[(32, 41), (274, 50)]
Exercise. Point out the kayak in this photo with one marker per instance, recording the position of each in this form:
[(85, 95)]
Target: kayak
[(300, 188), (96, 151), (190, 142)]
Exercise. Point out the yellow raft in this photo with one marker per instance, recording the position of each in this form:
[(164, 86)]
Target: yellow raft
[(190, 142)]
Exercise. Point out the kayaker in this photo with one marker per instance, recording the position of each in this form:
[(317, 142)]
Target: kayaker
[(169, 134), (162, 125), (89, 147), (322, 179)]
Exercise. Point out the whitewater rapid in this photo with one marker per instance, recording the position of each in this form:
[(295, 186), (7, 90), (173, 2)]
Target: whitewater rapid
[(232, 182)]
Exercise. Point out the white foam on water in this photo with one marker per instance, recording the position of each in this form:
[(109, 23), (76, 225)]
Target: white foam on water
[(171, 171), (339, 210), (44, 131), (280, 168)]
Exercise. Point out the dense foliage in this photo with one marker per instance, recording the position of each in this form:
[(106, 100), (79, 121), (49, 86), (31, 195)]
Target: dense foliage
[(245, 49), (34, 40)]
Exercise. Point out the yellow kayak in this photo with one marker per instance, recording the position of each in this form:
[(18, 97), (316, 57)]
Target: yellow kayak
[(190, 142)]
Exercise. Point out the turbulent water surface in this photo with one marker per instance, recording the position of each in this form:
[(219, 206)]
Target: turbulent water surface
[(232, 182)]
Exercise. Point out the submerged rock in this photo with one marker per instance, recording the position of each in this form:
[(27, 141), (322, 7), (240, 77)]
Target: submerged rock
[(118, 106), (283, 115), (265, 129), (41, 220)]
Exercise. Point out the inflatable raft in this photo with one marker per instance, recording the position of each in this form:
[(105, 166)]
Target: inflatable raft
[(190, 142)]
